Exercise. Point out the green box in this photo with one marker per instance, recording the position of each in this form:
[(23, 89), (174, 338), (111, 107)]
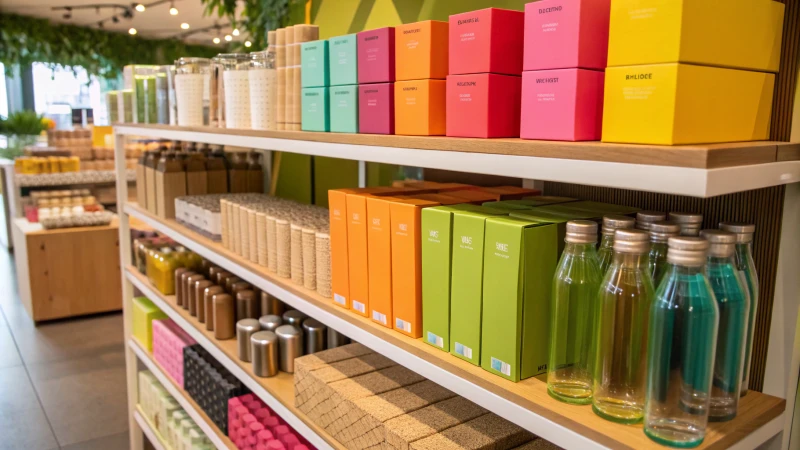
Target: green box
[(602, 208), (315, 109), (466, 291), (314, 70), (520, 259), (344, 108), (343, 60), (527, 202)]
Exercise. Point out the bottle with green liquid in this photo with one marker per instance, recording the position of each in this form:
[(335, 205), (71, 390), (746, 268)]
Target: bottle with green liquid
[(681, 346), (690, 223), (660, 232), (577, 277), (645, 218), (747, 270), (733, 302), (622, 319), (611, 223)]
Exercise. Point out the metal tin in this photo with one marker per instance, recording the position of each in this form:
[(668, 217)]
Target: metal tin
[(291, 346), (240, 286), (336, 339), (314, 335), (230, 281), (199, 306), (246, 306), (264, 351), (205, 265), (222, 278), (271, 305), (190, 294), (213, 271), (184, 289), (208, 304), (245, 328), (270, 322), (224, 311), (178, 285), (294, 317)]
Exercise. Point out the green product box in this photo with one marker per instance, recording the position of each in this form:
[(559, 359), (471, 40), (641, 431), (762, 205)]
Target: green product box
[(315, 109), (314, 70), (542, 200), (344, 108), (602, 208), (343, 60), (466, 292), (520, 259), (528, 202)]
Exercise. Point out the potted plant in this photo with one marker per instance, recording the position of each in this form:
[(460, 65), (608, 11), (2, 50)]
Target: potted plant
[(21, 129)]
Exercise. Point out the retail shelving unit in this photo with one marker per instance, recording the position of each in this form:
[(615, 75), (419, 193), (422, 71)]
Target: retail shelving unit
[(699, 171), (149, 430)]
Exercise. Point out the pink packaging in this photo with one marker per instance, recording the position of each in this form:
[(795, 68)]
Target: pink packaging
[(565, 34), (168, 342), (562, 105), (483, 105), (376, 108), (486, 41), (376, 56)]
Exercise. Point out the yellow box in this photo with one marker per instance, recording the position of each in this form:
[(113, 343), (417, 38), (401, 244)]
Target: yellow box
[(144, 313), (743, 34), (674, 104)]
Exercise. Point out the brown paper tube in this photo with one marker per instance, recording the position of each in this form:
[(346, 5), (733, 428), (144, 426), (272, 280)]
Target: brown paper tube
[(223, 216), (253, 240), (324, 265), (208, 304), (236, 230), (272, 244), (199, 292), (224, 319), (244, 233), (309, 258), (261, 239), (283, 246), (296, 249)]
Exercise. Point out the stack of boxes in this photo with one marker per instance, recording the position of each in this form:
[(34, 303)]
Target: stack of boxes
[(252, 425), (483, 89), (169, 340), (344, 90), (314, 76), (421, 53), (566, 47), (144, 313), (375, 61)]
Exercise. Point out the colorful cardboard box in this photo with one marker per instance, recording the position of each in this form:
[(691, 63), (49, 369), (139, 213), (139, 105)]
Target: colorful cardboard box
[(743, 34), (486, 41), (483, 105), (673, 104), (420, 107), (566, 34), (376, 108), (144, 313), (421, 50), (316, 115), (520, 258), (343, 60), (562, 105), (343, 108), (379, 253), (376, 56), (511, 192), (314, 71)]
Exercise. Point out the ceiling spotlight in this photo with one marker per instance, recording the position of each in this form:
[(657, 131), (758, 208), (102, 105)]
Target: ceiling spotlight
[(132, 31), (115, 19), (173, 11), (139, 7), (184, 26), (215, 40), (228, 37), (235, 32), (247, 43), (127, 14)]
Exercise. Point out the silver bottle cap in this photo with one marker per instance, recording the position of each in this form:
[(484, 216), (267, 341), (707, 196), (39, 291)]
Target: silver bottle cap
[(629, 240), (645, 218), (270, 322), (690, 223), (687, 251), (722, 243), (663, 230), (743, 231), (613, 222), (581, 232)]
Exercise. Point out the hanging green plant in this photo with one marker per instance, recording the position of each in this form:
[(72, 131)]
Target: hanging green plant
[(258, 16), (25, 40)]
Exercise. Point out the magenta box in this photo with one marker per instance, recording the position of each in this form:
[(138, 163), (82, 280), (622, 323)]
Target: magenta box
[(566, 34), (168, 342), (486, 41), (562, 105), (376, 56), (376, 108), (483, 105)]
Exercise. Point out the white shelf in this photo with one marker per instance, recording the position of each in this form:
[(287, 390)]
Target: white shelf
[(148, 431)]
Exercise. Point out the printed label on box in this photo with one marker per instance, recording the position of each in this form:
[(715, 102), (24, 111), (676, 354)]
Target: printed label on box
[(338, 298), (463, 350), (501, 367), (378, 317), (435, 340), (358, 306), (401, 324)]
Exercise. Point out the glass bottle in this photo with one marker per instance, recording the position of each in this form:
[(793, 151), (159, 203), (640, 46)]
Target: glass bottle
[(611, 223), (681, 347), (660, 232), (743, 256), (733, 302), (645, 218), (690, 223), (577, 277), (621, 323)]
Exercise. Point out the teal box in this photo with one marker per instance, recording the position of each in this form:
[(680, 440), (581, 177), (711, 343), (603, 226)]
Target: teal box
[(343, 59), (314, 70), (315, 109), (344, 108)]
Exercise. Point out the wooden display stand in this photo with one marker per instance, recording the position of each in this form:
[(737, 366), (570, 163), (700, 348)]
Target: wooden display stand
[(67, 272)]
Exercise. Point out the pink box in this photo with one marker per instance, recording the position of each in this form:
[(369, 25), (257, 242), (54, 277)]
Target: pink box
[(376, 108), (487, 40), (376, 56), (566, 34), (562, 105), (483, 105), (168, 342)]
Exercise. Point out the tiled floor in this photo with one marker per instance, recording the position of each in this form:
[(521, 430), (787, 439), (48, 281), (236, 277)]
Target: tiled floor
[(62, 384)]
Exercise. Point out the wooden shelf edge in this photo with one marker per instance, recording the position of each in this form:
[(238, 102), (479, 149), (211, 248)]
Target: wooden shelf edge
[(149, 430), (525, 403)]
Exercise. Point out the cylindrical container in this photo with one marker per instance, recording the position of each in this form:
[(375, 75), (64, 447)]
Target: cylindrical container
[(247, 306), (336, 339), (261, 238), (230, 281), (296, 254), (294, 317), (112, 106), (271, 305), (244, 230), (264, 349), (272, 243), (291, 346), (283, 246), (222, 278), (182, 293), (162, 95), (245, 328), (262, 89), (315, 334), (224, 314), (690, 223), (309, 258), (611, 223), (240, 286), (171, 98), (236, 89), (645, 218), (208, 304), (191, 293), (660, 232), (251, 228), (192, 78), (212, 273), (199, 296), (178, 285), (323, 264), (270, 322)]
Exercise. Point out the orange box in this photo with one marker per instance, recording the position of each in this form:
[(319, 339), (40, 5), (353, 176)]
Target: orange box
[(421, 50), (442, 199), (340, 274), (379, 252), (512, 192), (477, 197), (407, 265), (419, 107)]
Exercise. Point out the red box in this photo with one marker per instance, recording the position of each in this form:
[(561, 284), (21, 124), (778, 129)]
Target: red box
[(376, 108), (375, 49), (484, 105), (486, 41)]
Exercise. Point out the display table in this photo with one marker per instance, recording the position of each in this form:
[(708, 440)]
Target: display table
[(67, 272)]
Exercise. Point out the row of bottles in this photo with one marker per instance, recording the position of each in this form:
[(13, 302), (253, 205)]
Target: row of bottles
[(657, 324)]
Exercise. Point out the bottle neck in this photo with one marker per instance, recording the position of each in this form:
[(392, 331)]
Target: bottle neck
[(630, 260), (607, 241), (681, 269), (580, 249)]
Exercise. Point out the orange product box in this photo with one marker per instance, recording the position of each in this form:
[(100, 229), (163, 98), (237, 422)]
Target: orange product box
[(379, 253), (421, 50), (419, 107), (477, 197), (407, 265), (442, 199), (512, 192)]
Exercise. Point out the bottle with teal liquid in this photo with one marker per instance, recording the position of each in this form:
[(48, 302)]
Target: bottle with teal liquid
[(660, 232), (611, 223)]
